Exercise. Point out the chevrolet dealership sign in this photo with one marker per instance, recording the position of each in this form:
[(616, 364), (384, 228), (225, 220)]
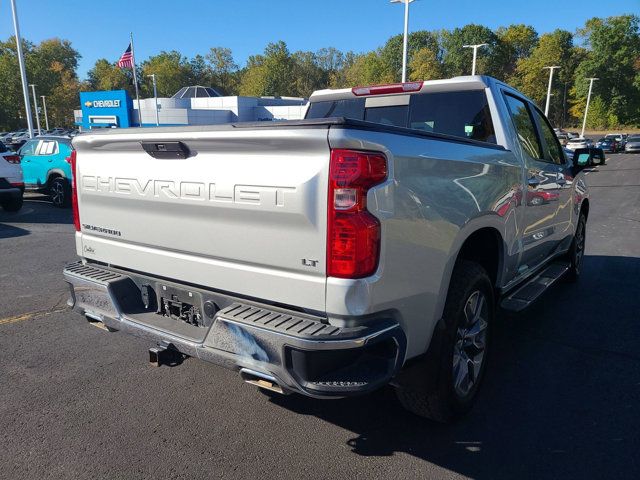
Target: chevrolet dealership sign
[(102, 103)]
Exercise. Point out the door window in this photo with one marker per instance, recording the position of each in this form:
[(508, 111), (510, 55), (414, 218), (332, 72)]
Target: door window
[(554, 152), (29, 148), (47, 147), (525, 127)]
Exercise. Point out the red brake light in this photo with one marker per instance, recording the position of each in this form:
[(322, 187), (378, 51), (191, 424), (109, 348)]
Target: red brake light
[(15, 159), (387, 89), (74, 190), (353, 234)]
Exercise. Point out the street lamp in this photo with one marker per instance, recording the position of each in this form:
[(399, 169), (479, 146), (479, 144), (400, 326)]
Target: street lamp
[(44, 106), (406, 36), (475, 54), (35, 105), (546, 108), (155, 96), (23, 73), (586, 110)]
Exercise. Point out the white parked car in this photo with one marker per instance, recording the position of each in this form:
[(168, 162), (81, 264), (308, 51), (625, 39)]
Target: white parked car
[(580, 142), (11, 181)]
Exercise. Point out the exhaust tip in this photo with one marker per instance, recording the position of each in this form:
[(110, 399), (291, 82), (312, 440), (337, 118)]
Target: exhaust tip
[(261, 380)]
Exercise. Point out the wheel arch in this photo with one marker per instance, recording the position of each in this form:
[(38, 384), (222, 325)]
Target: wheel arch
[(55, 173), (481, 242)]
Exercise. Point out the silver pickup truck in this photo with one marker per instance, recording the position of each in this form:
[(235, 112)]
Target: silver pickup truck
[(370, 243)]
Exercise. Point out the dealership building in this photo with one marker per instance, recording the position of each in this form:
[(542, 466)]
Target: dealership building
[(194, 105)]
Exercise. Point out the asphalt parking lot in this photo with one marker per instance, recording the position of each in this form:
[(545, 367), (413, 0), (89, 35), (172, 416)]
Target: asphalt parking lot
[(560, 400)]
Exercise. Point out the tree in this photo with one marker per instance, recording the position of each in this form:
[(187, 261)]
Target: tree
[(49, 64), (613, 51), (391, 53), (309, 76), (532, 78), (425, 65), (457, 59), (515, 43), (199, 71), (223, 69), (107, 76), (172, 71), (271, 74), (366, 69)]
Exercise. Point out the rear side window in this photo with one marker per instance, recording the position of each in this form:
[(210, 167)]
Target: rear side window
[(337, 108), (47, 147), (524, 127), (461, 114)]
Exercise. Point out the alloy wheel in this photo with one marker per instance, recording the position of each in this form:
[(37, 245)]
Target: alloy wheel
[(57, 193), (580, 245), (470, 344)]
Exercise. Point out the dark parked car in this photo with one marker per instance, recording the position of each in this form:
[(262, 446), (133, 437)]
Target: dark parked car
[(609, 145)]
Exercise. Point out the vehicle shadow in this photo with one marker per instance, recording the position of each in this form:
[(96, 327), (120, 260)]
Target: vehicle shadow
[(560, 398), (9, 231), (38, 209)]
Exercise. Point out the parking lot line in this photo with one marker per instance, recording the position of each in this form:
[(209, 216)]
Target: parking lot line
[(29, 316)]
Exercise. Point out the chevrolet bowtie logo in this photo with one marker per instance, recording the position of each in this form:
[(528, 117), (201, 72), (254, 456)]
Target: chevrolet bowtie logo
[(88, 103)]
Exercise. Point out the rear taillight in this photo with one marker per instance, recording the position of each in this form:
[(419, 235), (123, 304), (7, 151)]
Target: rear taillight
[(74, 190), (387, 89), (353, 234), (15, 159)]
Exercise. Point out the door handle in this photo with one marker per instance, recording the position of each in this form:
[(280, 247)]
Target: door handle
[(560, 180), (533, 182)]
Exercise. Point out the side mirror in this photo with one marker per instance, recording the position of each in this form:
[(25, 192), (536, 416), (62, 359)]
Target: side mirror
[(587, 157)]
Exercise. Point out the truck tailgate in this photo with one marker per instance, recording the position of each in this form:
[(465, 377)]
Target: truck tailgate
[(244, 213)]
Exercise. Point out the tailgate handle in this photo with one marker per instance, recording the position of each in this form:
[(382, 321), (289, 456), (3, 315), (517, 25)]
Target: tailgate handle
[(166, 150)]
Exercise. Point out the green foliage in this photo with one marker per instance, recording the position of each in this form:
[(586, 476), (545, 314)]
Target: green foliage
[(607, 48), (457, 60), (51, 66), (614, 53), (532, 78), (425, 65), (107, 76), (223, 70), (172, 70)]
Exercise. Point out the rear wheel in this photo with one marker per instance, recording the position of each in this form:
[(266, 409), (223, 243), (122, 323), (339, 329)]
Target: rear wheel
[(576, 252), (12, 205), (60, 192), (458, 351)]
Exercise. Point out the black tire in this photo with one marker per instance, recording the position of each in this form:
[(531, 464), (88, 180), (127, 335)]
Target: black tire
[(60, 192), (438, 398), (12, 205), (576, 251)]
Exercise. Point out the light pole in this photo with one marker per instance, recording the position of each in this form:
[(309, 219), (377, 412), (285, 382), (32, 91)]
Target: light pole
[(405, 45), (155, 97), (546, 107), (475, 54), (23, 73), (586, 110), (44, 106), (35, 105)]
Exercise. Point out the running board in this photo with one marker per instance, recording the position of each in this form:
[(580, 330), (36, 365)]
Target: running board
[(536, 286)]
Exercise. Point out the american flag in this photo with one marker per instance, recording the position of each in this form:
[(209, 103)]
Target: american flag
[(126, 60)]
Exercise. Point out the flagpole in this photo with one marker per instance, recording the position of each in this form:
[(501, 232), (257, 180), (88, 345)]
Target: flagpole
[(135, 81)]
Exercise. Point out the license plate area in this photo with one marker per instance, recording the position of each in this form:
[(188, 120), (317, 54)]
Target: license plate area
[(180, 305)]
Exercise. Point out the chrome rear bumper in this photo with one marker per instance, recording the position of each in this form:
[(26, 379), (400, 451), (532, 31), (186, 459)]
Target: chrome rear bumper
[(303, 353)]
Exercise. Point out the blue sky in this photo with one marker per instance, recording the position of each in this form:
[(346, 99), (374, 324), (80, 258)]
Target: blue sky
[(101, 28)]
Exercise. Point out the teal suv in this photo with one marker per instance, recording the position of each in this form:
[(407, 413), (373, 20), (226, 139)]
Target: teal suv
[(46, 167)]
